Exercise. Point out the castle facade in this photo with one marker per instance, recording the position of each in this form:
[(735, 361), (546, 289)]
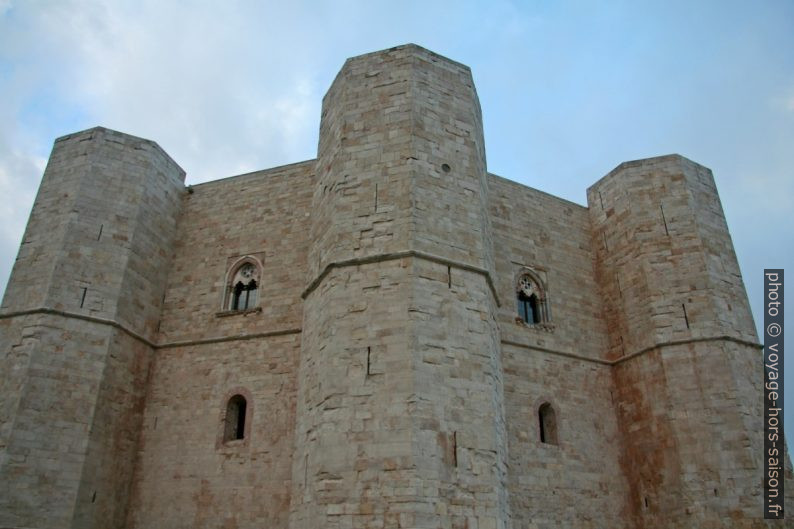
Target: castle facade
[(387, 336)]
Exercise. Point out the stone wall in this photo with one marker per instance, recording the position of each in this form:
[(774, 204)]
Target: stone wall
[(264, 214), (687, 368), (577, 482), (186, 475), (400, 406), (54, 442), (76, 346)]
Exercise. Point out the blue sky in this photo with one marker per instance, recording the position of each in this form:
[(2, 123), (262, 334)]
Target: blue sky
[(568, 91)]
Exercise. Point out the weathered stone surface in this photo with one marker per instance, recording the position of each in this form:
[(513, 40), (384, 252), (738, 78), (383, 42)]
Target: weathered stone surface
[(689, 407), (387, 377), (401, 187), (80, 316)]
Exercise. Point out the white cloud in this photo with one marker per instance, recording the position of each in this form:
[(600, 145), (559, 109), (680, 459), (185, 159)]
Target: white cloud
[(194, 80)]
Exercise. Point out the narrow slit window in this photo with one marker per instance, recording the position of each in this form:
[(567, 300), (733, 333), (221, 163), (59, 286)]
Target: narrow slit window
[(234, 427), (547, 424)]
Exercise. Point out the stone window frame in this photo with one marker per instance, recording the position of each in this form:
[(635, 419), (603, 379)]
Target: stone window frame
[(221, 441), (228, 285), (537, 418), (542, 296)]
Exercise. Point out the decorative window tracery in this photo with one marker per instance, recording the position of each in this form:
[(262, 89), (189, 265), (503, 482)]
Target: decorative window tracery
[(531, 301), (242, 292)]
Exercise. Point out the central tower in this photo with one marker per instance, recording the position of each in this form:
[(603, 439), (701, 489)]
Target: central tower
[(399, 414)]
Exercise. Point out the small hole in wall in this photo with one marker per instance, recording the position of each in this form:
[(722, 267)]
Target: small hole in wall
[(445, 167), (646, 502)]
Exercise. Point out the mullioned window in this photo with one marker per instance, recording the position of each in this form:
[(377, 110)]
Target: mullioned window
[(531, 301), (243, 286)]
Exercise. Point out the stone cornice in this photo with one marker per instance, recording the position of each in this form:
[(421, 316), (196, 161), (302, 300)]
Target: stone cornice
[(379, 258), (617, 361), (143, 339), (297, 330)]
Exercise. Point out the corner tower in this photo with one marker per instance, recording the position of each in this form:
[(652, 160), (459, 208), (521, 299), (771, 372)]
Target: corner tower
[(400, 406), (687, 364), (76, 327)]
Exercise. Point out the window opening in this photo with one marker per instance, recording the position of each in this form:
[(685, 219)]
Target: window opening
[(244, 295), (243, 288), (547, 422), (528, 308), (531, 303), (235, 419)]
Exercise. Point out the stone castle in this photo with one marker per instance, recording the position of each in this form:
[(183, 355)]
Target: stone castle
[(387, 336)]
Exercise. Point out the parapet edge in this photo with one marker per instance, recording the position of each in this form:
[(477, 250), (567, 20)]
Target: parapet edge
[(257, 172), (417, 49), (106, 130), (646, 161), (534, 189)]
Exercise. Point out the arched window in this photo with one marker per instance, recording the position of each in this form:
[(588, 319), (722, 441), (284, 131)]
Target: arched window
[(244, 296), (528, 308), (531, 300), (234, 420), (243, 289), (547, 424)]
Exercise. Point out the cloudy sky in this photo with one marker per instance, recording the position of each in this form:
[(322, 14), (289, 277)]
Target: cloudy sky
[(568, 91)]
